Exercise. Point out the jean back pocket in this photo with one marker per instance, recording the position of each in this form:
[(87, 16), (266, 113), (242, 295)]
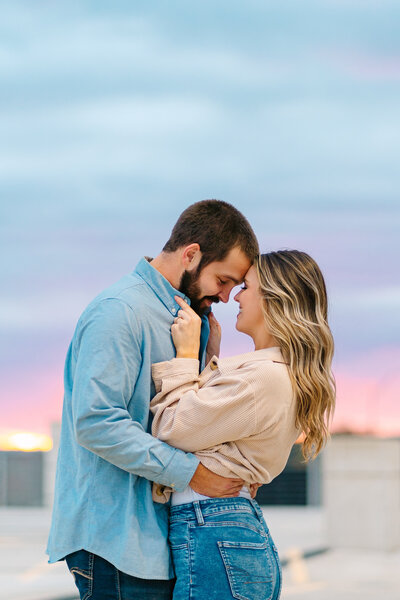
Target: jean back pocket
[(250, 570)]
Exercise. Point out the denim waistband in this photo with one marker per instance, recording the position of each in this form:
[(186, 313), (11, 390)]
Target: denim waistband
[(199, 509)]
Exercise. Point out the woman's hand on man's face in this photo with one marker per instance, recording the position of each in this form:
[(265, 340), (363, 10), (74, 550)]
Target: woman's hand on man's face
[(186, 331)]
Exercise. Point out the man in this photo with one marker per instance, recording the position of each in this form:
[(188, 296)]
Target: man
[(105, 524)]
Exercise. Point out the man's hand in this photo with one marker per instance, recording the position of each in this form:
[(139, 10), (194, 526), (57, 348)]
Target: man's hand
[(253, 488), (208, 483)]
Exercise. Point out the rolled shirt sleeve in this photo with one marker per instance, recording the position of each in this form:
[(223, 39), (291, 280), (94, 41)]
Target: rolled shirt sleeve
[(108, 361)]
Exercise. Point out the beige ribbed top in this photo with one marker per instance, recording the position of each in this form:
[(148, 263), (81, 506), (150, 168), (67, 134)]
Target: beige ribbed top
[(237, 416)]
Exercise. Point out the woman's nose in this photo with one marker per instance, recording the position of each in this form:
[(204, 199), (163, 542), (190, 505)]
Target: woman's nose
[(236, 297)]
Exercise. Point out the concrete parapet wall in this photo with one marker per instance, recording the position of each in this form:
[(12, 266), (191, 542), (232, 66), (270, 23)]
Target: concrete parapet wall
[(361, 489)]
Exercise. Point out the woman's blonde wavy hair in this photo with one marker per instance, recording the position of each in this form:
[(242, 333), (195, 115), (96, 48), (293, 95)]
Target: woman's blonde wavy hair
[(295, 309)]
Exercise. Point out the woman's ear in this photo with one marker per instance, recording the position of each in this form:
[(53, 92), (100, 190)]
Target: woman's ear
[(191, 257)]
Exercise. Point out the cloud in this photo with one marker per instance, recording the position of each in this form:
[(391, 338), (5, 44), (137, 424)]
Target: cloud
[(367, 405), (93, 92), (368, 391), (115, 117), (368, 67), (54, 310), (371, 298)]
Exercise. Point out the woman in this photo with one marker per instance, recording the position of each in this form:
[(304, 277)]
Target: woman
[(241, 417)]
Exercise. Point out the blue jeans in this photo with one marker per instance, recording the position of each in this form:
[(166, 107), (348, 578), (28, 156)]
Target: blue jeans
[(222, 549), (97, 579)]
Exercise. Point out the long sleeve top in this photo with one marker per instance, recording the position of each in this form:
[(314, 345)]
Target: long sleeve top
[(238, 416), (108, 457)]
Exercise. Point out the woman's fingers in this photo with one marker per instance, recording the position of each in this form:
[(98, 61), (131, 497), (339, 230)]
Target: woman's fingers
[(214, 323), (184, 315), (186, 331), (185, 307)]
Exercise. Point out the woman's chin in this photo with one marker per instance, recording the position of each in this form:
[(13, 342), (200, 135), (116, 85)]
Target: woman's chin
[(238, 327)]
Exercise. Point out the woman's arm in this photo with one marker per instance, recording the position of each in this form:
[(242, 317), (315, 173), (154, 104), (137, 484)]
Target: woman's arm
[(194, 418), (188, 416)]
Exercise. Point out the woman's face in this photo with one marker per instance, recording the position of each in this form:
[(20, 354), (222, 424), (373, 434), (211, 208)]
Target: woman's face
[(250, 319)]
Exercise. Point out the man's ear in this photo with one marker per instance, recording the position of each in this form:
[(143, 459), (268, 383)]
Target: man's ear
[(191, 257)]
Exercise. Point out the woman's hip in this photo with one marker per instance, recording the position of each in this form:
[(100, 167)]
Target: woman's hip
[(221, 549)]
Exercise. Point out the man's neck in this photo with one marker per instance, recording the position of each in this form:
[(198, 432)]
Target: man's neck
[(168, 266)]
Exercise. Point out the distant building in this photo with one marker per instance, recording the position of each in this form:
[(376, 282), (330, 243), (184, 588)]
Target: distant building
[(298, 484), (21, 478), (27, 479)]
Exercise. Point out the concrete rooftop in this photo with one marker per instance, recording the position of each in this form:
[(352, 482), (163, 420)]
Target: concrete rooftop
[(311, 570)]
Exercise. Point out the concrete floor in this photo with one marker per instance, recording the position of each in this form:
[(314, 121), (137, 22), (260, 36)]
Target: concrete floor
[(311, 571)]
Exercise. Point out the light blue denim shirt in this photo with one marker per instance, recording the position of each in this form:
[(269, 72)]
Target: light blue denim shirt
[(107, 457)]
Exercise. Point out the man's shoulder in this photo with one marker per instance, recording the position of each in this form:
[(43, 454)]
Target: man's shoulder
[(129, 289), (128, 295)]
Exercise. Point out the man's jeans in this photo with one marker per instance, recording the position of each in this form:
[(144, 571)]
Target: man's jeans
[(222, 549), (97, 579)]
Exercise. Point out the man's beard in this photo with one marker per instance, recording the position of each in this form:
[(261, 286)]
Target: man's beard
[(189, 286)]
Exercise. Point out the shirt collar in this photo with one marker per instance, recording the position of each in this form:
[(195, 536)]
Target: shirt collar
[(234, 362), (160, 286)]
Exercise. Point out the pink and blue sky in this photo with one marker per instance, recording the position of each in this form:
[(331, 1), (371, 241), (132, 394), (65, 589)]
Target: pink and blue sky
[(115, 116)]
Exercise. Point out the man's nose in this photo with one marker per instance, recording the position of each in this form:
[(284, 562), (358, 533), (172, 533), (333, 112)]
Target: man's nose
[(224, 296)]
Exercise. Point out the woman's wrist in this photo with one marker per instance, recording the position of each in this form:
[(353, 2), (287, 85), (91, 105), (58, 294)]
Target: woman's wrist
[(188, 354)]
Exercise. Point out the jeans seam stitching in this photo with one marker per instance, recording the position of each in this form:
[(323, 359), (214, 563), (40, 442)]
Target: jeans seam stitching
[(190, 563), (91, 568), (230, 524), (118, 583)]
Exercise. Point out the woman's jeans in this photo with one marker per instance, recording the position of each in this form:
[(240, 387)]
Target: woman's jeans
[(97, 579), (222, 549)]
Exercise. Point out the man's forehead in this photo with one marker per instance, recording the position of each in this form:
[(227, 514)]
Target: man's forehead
[(234, 266), (235, 274)]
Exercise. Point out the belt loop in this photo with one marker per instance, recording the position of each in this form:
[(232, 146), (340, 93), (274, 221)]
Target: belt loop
[(199, 514)]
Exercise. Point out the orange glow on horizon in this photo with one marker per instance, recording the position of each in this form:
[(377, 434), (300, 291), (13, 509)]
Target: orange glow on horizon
[(25, 441)]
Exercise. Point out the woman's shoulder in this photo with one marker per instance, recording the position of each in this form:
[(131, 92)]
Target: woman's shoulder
[(261, 368), (258, 360), (268, 375)]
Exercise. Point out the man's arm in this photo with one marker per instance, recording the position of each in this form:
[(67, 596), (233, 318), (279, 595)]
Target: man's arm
[(108, 355)]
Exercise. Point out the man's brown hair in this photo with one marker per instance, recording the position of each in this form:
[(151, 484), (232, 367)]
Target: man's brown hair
[(217, 227)]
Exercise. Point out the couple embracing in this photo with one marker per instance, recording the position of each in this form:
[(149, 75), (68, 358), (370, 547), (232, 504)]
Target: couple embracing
[(163, 443)]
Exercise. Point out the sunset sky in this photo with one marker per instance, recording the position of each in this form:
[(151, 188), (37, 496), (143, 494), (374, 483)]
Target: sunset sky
[(115, 116)]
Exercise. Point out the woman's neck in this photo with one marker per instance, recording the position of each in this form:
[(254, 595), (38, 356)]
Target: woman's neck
[(264, 340)]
